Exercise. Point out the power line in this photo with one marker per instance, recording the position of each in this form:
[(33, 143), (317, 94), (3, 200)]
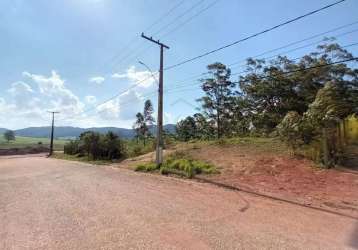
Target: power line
[(175, 86), (309, 68), (263, 77), (178, 17), (254, 35), (300, 47), (297, 48), (140, 45), (299, 41), (245, 71), (294, 59), (172, 90), (288, 51), (165, 15), (310, 13), (141, 51), (192, 17), (110, 99), (134, 38)]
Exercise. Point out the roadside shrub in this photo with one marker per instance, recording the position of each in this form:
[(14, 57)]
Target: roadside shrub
[(71, 148), (180, 164), (137, 150), (190, 167), (97, 146), (178, 154), (146, 167), (166, 171), (203, 167)]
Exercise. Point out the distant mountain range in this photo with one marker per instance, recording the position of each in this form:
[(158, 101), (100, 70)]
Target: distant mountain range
[(68, 132), (2, 130)]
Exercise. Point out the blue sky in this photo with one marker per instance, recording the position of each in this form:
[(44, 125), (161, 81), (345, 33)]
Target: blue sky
[(70, 55)]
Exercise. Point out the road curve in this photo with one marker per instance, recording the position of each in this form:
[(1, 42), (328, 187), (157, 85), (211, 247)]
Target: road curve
[(55, 204)]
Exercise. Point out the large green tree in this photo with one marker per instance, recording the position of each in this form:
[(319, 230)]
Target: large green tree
[(219, 92), (148, 116), (186, 129), (9, 135), (273, 88), (140, 127), (332, 104)]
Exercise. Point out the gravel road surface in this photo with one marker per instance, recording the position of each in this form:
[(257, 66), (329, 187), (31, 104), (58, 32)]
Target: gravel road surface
[(56, 204)]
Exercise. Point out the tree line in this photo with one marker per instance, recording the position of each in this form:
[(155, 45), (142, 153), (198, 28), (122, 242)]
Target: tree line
[(110, 146), (96, 146), (300, 100)]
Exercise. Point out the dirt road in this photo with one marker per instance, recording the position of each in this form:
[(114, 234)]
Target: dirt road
[(55, 204)]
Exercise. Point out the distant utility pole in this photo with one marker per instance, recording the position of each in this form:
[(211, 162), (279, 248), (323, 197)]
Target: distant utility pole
[(159, 147), (52, 130)]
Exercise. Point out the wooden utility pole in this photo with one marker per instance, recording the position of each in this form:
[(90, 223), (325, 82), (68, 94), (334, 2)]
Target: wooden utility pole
[(52, 130), (159, 147)]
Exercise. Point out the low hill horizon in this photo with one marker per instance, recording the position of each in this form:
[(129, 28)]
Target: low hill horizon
[(69, 131)]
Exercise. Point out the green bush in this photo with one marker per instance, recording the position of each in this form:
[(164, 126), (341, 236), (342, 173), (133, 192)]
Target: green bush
[(137, 150), (71, 148), (188, 166), (97, 146), (180, 164), (146, 167), (165, 171)]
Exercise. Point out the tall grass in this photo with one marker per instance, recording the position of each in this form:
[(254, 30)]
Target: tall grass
[(179, 163)]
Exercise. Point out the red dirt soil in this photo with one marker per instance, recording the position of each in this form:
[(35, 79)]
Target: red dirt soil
[(283, 177)]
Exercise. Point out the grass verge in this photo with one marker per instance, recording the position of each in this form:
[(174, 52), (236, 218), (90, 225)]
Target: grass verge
[(179, 163)]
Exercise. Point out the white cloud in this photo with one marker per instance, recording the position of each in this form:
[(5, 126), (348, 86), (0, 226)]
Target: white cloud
[(47, 85), (109, 110), (97, 79), (28, 101), (90, 99), (20, 87), (130, 102), (119, 76), (4, 107), (123, 107), (62, 99), (169, 118), (23, 96), (24, 112), (142, 78)]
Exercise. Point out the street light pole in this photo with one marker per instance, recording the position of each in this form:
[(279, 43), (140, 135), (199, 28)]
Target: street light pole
[(149, 69)]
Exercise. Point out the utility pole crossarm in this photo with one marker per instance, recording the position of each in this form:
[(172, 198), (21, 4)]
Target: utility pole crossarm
[(154, 41)]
